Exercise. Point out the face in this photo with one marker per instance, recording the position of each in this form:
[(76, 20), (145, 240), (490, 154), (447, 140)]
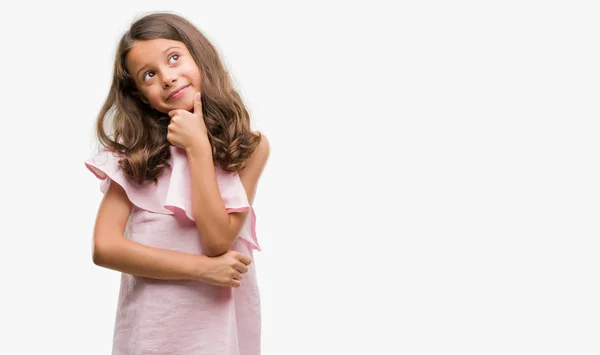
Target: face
[(165, 74)]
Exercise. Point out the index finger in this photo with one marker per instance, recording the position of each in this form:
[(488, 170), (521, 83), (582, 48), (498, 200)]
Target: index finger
[(174, 112)]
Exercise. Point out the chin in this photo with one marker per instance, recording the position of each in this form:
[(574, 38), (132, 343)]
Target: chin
[(166, 110), (184, 104), (189, 106)]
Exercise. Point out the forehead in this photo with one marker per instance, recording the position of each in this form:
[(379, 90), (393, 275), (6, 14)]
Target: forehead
[(145, 52)]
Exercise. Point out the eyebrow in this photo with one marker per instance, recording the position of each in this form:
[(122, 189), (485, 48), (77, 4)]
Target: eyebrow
[(144, 66)]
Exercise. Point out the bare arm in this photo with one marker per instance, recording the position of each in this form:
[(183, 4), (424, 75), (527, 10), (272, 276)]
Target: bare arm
[(112, 250), (218, 229)]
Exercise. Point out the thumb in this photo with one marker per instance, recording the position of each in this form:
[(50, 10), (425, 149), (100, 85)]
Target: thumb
[(197, 104)]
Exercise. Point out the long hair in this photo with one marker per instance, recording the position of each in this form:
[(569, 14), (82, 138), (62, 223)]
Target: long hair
[(138, 133)]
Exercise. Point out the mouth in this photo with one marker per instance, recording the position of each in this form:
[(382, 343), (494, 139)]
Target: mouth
[(175, 94)]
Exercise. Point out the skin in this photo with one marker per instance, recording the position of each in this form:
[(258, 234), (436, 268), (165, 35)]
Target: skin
[(160, 67)]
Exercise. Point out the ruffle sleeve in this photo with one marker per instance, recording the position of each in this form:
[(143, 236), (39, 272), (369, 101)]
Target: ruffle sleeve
[(172, 193)]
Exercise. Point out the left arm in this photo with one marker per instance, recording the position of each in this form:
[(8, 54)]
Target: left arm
[(219, 229)]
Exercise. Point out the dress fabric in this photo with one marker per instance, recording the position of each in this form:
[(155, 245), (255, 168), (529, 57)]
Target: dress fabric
[(181, 317)]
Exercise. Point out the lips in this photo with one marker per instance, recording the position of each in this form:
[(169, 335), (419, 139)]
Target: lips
[(176, 92)]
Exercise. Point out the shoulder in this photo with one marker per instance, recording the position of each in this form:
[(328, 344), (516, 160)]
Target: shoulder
[(257, 161), (263, 148), (254, 166)]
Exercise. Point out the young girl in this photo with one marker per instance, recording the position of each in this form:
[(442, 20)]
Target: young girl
[(179, 172)]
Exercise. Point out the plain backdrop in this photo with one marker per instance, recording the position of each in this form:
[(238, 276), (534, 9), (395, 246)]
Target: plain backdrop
[(433, 186)]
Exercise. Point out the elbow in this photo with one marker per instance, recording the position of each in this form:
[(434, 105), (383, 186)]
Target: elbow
[(97, 257), (216, 249), (100, 252), (214, 242)]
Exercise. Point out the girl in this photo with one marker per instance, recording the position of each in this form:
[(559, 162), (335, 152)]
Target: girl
[(179, 172)]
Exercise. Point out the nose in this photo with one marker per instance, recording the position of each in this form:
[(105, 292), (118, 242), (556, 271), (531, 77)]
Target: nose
[(169, 77)]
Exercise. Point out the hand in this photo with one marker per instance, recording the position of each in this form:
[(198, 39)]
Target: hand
[(187, 129), (225, 269)]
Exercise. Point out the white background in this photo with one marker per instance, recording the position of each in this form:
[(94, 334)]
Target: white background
[(433, 186)]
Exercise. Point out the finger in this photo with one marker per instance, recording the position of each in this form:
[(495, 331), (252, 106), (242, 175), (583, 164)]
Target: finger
[(241, 268), (237, 276), (235, 283), (174, 112), (197, 104), (244, 259)]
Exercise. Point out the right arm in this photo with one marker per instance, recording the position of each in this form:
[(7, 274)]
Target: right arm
[(113, 251)]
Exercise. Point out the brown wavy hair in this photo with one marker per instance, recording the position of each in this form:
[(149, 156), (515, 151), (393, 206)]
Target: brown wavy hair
[(139, 132)]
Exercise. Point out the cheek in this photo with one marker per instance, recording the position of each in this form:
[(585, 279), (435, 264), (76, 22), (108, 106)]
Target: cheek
[(153, 96), (198, 80), (198, 77), (194, 74)]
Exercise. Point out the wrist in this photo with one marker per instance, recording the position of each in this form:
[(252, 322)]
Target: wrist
[(200, 267), (200, 147)]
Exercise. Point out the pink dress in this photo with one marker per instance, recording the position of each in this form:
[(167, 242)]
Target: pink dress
[(181, 317)]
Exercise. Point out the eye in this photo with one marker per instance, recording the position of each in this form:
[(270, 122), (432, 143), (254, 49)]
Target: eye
[(174, 57), (147, 75)]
